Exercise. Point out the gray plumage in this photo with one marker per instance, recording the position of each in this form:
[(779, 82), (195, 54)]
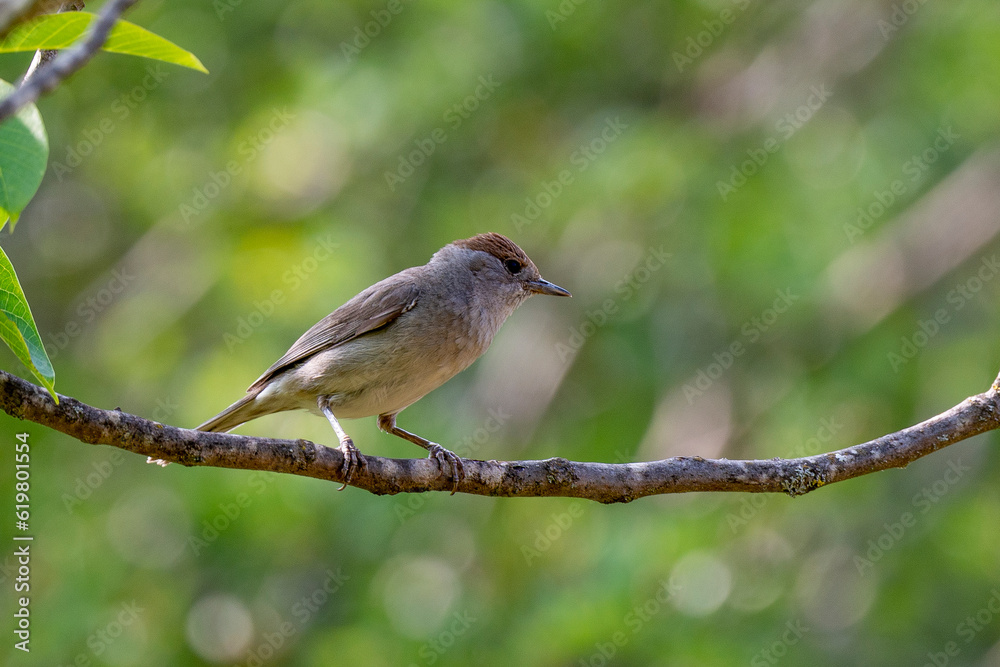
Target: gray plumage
[(397, 340)]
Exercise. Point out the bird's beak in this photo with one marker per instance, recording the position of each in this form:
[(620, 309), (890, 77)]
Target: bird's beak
[(541, 286)]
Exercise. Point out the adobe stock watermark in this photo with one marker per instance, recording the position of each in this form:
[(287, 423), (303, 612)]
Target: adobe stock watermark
[(552, 533), (913, 171), (753, 503), (223, 7), (794, 630), (901, 14), (87, 311), (696, 45), (424, 147), (631, 625), (119, 111), (751, 332), (86, 484), (785, 128), (293, 277), (22, 551), (467, 448), (229, 512), (434, 648), (580, 159), (248, 150), (957, 298), (99, 641), (562, 12), (966, 630), (560, 524), (922, 503), (362, 35), (303, 610), (625, 289)]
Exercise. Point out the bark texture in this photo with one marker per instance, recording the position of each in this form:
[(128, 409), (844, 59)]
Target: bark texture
[(603, 482)]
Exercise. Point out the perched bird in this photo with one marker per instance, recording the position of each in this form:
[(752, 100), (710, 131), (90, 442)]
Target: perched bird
[(395, 342)]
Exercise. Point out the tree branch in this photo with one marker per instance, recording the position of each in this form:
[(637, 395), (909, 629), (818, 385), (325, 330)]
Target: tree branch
[(603, 482), (47, 78), (44, 57)]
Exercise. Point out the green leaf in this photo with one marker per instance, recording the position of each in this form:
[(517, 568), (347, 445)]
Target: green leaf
[(24, 153), (59, 31), (17, 328)]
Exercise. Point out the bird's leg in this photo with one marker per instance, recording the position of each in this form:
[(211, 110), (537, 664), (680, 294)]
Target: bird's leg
[(352, 457), (388, 424)]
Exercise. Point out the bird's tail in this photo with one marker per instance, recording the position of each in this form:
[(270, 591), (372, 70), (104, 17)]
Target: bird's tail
[(238, 413)]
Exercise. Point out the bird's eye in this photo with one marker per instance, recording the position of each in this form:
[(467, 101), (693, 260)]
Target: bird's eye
[(512, 265)]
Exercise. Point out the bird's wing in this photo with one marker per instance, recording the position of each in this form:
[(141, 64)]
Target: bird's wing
[(372, 309)]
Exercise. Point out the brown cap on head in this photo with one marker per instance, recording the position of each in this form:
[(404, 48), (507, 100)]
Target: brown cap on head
[(497, 245), (506, 251)]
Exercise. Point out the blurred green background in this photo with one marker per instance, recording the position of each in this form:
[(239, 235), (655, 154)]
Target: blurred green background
[(777, 221)]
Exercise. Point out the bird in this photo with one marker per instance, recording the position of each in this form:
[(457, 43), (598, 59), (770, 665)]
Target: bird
[(395, 342)]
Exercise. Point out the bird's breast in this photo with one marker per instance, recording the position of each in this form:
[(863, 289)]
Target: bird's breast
[(390, 368)]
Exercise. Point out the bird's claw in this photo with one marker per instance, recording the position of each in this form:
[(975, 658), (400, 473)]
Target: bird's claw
[(352, 460), (444, 456)]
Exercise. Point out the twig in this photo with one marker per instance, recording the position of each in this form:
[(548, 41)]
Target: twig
[(44, 57), (47, 78), (603, 482)]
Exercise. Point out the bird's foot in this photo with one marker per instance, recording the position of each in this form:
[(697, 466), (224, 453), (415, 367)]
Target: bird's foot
[(444, 456), (159, 462), (352, 460)]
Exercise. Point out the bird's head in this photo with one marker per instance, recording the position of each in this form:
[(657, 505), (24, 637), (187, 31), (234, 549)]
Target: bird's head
[(501, 267)]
